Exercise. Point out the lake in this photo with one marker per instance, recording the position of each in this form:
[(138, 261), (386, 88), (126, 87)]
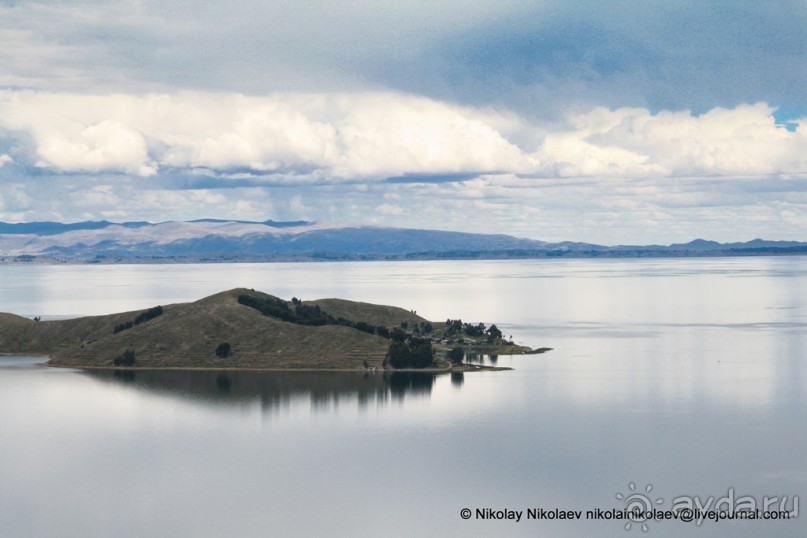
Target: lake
[(670, 379)]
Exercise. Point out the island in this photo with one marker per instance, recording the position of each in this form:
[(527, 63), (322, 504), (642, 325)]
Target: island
[(247, 329)]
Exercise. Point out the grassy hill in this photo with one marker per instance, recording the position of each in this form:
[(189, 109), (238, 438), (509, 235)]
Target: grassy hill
[(187, 335)]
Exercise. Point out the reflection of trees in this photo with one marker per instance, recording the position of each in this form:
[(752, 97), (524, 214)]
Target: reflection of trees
[(402, 383), (125, 376), (474, 357), (223, 383), (275, 389)]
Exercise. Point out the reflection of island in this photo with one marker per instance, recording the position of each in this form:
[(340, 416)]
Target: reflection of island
[(274, 389), (245, 329)]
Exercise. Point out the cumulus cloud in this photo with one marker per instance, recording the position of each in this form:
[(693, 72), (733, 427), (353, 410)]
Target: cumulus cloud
[(382, 134), (743, 141), (5, 159), (346, 136), (104, 146)]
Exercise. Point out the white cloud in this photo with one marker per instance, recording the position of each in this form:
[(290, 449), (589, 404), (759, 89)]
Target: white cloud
[(178, 200), (390, 209), (365, 135), (377, 135), (258, 208), (744, 141), (394, 134), (297, 205), (99, 196), (105, 146), (794, 217), (5, 159)]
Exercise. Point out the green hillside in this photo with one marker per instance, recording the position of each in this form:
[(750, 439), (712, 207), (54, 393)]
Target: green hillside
[(188, 335)]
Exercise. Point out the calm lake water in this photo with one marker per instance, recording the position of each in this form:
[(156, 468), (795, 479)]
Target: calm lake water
[(689, 376)]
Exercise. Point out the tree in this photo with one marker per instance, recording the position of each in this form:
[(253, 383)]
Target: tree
[(411, 352), (493, 333), (397, 335), (223, 350), (474, 330), (143, 317), (456, 355), (453, 326)]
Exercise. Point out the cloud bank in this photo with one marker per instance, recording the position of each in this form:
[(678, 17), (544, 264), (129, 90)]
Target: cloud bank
[(376, 135)]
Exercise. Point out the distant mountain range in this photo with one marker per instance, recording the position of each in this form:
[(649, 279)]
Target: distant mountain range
[(211, 240)]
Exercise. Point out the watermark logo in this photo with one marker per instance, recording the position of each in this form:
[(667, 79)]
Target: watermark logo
[(735, 507), (639, 506)]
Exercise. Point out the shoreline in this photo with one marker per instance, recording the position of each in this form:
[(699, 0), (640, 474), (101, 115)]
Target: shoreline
[(443, 367), (462, 368), (552, 255), (432, 370)]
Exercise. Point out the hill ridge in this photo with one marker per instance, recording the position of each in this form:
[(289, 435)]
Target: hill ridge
[(187, 335)]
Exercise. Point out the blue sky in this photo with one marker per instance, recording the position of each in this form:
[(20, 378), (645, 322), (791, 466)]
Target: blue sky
[(618, 122)]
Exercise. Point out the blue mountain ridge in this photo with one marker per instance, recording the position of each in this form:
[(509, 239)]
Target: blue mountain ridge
[(303, 240)]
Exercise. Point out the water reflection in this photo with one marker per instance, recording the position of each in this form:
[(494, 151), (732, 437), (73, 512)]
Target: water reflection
[(482, 359), (272, 389)]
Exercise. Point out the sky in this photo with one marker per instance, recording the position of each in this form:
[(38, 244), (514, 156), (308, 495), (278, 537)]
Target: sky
[(620, 122)]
